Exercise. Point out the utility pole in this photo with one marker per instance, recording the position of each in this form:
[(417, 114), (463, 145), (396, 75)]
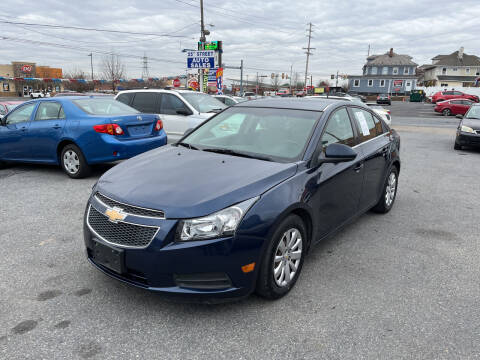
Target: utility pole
[(336, 81), (256, 89), (291, 69), (201, 45), (308, 48), (241, 78), (91, 65)]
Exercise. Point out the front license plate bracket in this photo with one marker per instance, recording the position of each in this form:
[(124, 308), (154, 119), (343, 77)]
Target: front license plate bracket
[(111, 257)]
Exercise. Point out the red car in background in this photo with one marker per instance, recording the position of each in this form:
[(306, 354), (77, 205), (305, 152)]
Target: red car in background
[(452, 94), (6, 106), (453, 107)]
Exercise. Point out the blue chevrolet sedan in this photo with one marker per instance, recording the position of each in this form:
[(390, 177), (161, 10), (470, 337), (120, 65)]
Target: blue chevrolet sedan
[(236, 204), (76, 132)]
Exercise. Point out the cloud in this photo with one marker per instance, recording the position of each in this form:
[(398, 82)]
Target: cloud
[(267, 35)]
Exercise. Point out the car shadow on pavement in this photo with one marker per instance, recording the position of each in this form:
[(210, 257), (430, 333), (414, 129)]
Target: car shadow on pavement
[(12, 169)]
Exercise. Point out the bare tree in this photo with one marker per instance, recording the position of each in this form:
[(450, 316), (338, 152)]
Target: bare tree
[(275, 82), (77, 74), (113, 69)]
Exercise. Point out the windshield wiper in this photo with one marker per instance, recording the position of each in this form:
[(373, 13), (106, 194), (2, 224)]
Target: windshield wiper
[(215, 110), (237, 153), (191, 147)]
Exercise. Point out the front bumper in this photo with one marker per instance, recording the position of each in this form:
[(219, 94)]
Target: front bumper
[(467, 139), (164, 264)]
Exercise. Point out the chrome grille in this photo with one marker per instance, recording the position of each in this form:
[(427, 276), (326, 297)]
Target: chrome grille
[(130, 209), (120, 233)]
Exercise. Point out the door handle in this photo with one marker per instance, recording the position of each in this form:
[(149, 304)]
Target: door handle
[(358, 167), (56, 126), (23, 128)]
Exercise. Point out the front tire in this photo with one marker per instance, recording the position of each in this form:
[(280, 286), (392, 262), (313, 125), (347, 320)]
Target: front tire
[(446, 112), (73, 162), (283, 259), (389, 193), (457, 146)]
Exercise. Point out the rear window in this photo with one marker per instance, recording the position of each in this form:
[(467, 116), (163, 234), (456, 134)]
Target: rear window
[(104, 107)]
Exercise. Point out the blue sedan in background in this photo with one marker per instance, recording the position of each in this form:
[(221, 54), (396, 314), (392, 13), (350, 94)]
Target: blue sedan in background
[(76, 132), (234, 206)]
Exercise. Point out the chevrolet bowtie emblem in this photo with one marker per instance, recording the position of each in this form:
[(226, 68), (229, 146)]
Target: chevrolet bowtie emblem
[(115, 214), (139, 118)]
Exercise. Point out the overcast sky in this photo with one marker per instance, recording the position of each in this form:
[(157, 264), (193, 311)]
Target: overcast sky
[(267, 35)]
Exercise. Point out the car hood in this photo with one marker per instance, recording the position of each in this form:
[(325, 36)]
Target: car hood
[(473, 123), (188, 183)]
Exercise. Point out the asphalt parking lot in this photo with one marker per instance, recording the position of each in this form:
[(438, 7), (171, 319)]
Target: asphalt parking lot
[(400, 285)]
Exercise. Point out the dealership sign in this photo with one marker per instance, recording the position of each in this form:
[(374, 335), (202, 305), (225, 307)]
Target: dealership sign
[(27, 68), (202, 59), (397, 82)]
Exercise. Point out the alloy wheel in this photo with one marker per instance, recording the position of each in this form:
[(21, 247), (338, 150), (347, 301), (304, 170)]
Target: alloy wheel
[(390, 189), (71, 162), (287, 257)]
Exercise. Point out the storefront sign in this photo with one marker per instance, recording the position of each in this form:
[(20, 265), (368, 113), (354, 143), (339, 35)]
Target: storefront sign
[(27, 68)]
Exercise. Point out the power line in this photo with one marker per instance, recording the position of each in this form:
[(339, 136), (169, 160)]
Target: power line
[(89, 29)]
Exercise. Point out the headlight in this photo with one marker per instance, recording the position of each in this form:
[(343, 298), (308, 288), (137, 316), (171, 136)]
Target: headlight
[(467, 129), (221, 223)]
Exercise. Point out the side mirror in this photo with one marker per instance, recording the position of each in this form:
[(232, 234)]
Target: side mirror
[(336, 153), (184, 112), (459, 116), (188, 131)]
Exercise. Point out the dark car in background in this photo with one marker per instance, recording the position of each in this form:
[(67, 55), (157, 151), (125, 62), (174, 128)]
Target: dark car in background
[(452, 94), (453, 107), (468, 131), (76, 132), (384, 99), (189, 219)]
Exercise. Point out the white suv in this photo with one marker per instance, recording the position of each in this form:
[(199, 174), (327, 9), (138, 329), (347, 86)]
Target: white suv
[(180, 110)]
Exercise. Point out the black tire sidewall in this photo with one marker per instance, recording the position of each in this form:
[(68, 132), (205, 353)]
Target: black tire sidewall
[(83, 170), (446, 112), (266, 285)]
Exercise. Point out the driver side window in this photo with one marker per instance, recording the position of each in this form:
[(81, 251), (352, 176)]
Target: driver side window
[(21, 114), (338, 130), (171, 104)]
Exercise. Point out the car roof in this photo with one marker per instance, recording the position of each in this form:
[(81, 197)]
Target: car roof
[(291, 103), (160, 91)]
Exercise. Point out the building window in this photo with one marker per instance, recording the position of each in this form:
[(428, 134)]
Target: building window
[(444, 71), (405, 70), (374, 70), (370, 82), (356, 83), (395, 71), (444, 85), (385, 70), (409, 83), (454, 69), (467, 70), (382, 83)]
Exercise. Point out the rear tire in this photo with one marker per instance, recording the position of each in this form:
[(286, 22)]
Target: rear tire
[(446, 112), (285, 254), (389, 193), (73, 162)]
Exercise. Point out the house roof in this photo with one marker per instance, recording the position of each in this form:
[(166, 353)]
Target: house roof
[(453, 60), (386, 59), (457, 78)]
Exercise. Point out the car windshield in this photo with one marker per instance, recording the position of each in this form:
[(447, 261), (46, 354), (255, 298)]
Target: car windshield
[(104, 107), (203, 103), (473, 112), (265, 133)]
